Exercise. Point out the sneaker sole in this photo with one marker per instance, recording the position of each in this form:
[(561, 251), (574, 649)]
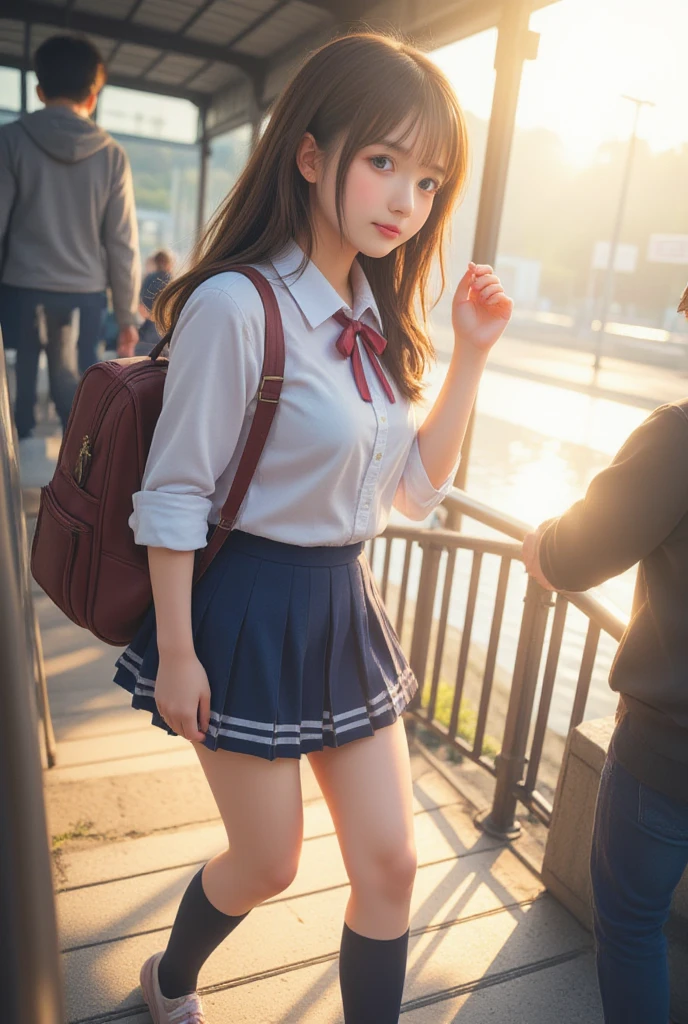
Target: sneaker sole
[(146, 980)]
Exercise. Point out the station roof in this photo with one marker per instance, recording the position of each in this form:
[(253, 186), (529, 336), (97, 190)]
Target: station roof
[(226, 55)]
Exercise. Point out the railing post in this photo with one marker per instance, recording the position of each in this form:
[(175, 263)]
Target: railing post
[(453, 519), (30, 979), (422, 624), (33, 637), (501, 820)]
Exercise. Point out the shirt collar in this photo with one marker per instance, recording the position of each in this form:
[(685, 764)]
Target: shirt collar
[(313, 293)]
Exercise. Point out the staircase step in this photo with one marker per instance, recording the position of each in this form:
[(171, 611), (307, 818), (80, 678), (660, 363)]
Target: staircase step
[(102, 863), (93, 911), (124, 803), (521, 994), (467, 932), (91, 751)]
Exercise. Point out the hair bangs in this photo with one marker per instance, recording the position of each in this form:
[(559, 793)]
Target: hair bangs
[(420, 108)]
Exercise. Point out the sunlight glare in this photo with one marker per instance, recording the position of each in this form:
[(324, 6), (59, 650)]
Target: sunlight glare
[(591, 53)]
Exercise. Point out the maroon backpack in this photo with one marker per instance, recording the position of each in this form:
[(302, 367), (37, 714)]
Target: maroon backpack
[(83, 555)]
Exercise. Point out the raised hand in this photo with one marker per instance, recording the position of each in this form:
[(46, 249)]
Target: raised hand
[(480, 309)]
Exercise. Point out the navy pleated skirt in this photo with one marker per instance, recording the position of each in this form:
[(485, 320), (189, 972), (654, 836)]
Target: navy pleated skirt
[(298, 648)]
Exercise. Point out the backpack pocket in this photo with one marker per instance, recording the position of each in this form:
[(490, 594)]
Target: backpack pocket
[(61, 557)]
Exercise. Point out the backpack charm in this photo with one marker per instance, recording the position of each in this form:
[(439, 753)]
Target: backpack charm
[(83, 461)]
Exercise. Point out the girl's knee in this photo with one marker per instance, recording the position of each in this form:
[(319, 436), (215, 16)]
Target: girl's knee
[(390, 871), (264, 874), (274, 876)]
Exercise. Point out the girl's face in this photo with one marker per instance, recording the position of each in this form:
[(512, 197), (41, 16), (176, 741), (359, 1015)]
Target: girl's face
[(388, 194)]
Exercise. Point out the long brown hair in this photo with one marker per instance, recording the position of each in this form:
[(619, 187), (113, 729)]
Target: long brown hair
[(359, 88)]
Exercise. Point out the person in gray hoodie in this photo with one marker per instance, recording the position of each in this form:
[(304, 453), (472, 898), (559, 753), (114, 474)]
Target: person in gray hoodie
[(67, 228)]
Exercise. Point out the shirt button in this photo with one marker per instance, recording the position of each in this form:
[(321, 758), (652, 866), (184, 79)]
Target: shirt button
[(383, 419), (378, 456), (367, 505)]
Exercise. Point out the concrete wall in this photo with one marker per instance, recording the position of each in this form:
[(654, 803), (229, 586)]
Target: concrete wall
[(565, 869)]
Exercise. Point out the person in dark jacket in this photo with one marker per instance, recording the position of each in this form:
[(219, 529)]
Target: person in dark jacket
[(636, 511), (67, 228), (153, 283)]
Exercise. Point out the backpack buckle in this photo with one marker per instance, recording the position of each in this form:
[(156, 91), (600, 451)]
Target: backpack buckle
[(272, 401)]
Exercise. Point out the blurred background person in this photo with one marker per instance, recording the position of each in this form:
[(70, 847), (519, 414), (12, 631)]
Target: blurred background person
[(162, 265), (67, 228)]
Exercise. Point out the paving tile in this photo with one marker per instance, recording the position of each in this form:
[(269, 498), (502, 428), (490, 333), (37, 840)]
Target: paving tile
[(99, 912), (279, 940)]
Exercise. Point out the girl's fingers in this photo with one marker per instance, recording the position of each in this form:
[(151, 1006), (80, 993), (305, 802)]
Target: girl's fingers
[(479, 269), (500, 300), (486, 279), (464, 286), (204, 712), (190, 730), (491, 291)]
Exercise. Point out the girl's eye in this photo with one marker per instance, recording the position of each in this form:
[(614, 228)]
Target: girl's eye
[(379, 162), (429, 185)]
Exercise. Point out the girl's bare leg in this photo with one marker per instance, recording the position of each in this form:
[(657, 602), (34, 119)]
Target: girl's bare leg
[(368, 789), (367, 786), (261, 808)]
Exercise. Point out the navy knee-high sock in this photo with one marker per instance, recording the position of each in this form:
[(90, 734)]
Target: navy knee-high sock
[(371, 975), (198, 929)]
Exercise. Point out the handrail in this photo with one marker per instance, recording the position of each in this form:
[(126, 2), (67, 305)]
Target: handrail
[(594, 606), (29, 959), (458, 502), (459, 710)]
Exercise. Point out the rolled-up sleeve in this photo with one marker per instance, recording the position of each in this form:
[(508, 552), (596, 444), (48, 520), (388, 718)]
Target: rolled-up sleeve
[(213, 374), (416, 497)]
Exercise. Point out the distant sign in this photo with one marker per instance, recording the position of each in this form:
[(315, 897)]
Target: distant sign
[(626, 257), (668, 249)]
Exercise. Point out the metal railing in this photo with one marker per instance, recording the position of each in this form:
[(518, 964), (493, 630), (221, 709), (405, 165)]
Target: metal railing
[(29, 961), (440, 602)]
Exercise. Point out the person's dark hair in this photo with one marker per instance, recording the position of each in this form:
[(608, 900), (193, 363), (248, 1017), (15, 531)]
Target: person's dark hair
[(163, 259), (68, 67), (361, 87)]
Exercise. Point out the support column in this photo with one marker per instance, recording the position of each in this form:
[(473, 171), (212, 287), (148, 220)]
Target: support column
[(25, 67), (256, 110), (204, 143), (515, 44)]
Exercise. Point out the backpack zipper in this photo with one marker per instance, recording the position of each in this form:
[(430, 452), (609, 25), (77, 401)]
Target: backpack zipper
[(83, 460)]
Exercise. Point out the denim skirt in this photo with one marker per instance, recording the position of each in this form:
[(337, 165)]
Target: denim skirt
[(297, 646)]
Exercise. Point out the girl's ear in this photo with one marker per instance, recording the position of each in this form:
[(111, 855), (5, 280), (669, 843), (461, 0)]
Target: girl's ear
[(308, 158)]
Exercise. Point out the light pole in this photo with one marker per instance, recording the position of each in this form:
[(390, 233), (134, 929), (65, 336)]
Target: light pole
[(609, 280)]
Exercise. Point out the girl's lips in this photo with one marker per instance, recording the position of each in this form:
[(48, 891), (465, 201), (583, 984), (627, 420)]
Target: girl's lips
[(388, 230)]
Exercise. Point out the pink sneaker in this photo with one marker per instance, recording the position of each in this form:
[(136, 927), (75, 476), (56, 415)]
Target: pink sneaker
[(184, 1010)]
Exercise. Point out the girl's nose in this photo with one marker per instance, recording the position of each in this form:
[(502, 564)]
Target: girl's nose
[(402, 200)]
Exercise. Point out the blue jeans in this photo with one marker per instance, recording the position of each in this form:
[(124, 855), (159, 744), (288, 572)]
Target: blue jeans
[(68, 355), (639, 852)]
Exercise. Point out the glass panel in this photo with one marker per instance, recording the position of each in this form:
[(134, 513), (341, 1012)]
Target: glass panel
[(228, 155), (10, 92), (469, 66), (130, 112)]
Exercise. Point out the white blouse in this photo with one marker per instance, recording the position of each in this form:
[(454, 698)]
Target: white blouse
[(333, 464)]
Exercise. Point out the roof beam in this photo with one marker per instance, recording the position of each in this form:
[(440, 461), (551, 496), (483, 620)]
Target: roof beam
[(456, 21), (112, 28), (123, 82), (355, 9)]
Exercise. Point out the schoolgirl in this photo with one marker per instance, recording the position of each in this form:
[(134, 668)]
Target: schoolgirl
[(284, 647)]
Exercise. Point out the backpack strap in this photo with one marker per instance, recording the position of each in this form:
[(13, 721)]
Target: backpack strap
[(269, 392)]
